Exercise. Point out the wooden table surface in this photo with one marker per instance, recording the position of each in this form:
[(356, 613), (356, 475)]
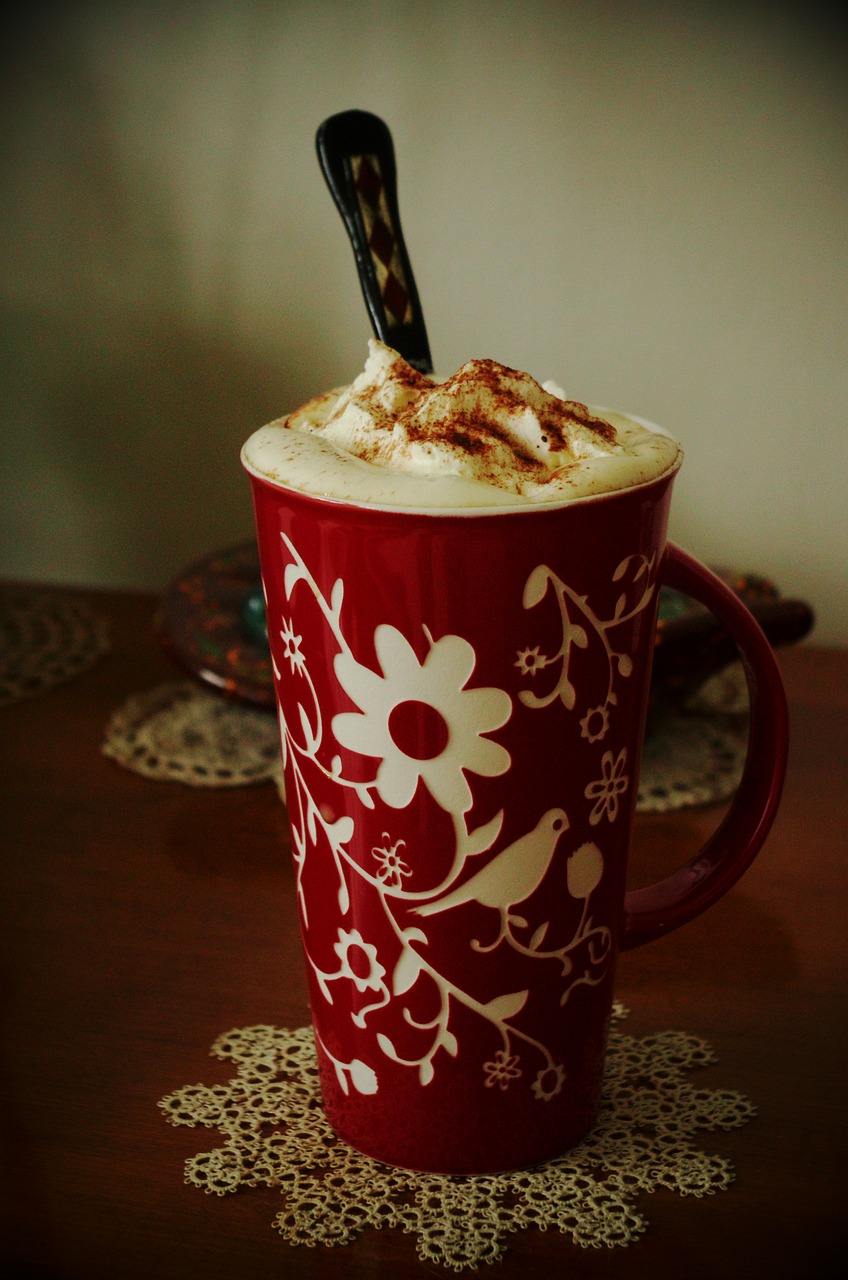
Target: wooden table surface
[(141, 919)]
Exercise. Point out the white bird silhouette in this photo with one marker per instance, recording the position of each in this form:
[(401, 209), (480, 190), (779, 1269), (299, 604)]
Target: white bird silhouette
[(511, 876)]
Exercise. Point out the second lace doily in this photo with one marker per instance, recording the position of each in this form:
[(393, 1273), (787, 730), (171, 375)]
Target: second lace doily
[(46, 638), (276, 1135), (179, 732)]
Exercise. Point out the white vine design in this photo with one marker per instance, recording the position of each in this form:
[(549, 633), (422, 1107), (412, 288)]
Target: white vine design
[(581, 625), (440, 685), (579, 620)]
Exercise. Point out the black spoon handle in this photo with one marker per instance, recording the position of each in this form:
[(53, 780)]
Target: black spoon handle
[(357, 157)]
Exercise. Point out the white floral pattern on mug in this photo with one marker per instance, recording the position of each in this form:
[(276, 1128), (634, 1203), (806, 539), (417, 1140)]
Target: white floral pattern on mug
[(549, 1082), (595, 724), (391, 868), (502, 1069), (606, 791), (359, 961), (457, 719), (291, 646), (419, 720)]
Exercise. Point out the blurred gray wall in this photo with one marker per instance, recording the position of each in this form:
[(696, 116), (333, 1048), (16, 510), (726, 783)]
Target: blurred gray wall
[(646, 202)]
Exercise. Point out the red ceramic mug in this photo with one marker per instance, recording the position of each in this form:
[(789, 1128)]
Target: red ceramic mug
[(462, 700)]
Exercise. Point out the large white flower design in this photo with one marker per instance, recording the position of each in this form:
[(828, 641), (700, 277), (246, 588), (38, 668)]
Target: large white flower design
[(420, 721)]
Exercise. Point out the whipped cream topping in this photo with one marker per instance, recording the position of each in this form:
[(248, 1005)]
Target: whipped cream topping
[(488, 436)]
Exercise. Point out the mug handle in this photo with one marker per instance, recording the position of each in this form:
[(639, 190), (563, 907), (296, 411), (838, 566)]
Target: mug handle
[(657, 909)]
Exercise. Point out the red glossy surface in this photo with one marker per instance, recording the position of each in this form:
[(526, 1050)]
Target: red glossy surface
[(462, 897)]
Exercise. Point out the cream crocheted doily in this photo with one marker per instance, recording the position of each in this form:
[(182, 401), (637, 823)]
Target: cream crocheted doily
[(180, 732), (45, 640), (275, 1135)]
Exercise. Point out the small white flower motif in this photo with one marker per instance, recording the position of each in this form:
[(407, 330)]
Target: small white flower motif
[(549, 1082), (595, 724), (502, 1070), (530, 661), (359, 961), (292, 644), (606, 791), (391, 868), (419, 720)]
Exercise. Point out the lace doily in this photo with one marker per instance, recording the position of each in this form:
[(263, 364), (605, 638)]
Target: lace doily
[(695, 759), (696, 755), (276, 1136), (180, 732), (45, 640)]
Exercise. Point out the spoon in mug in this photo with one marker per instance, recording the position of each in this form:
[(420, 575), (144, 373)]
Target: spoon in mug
[(357, 157)]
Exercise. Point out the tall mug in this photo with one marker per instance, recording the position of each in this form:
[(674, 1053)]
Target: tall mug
[(462, 701)]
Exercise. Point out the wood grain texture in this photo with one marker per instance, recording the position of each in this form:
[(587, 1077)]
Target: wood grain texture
[(141, 919)]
